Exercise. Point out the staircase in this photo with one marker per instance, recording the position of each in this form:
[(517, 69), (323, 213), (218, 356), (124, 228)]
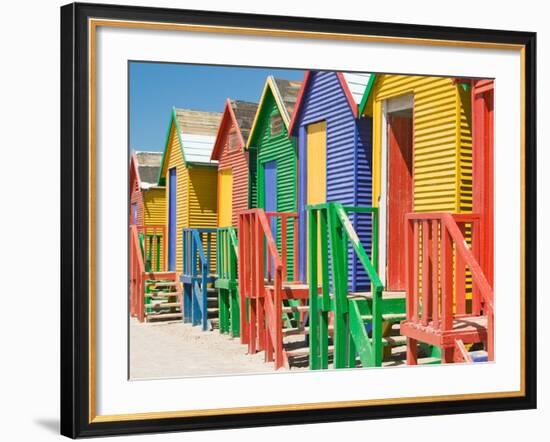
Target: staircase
[(440, 263), (162, 300), (200, 298), (154, 295), (355, 328), (275, 317)]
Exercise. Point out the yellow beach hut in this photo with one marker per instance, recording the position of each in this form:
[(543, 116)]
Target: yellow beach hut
[(190, 177)]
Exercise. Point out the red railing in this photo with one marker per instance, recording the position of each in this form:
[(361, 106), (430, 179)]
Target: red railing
[(438, 257), (259, 260), (285, 218), (147, 245), (137, 281)]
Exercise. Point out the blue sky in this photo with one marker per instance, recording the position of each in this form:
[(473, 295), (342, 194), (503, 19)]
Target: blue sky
[(156, 87)]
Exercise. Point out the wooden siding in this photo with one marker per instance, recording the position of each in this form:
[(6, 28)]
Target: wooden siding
[(203, 186), (136, 197), (363, 189), (154, 206), (175, 159), (236, 159), (442, 168), (465, 195), (283, 150), (347, 163), (154, 211), (203, 192)]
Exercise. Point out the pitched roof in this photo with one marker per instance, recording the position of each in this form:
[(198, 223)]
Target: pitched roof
[(240, 112), (288, 91), (244, 112), (148, 168), (357, 84), (285, 93), (197, 131), (353, 84)]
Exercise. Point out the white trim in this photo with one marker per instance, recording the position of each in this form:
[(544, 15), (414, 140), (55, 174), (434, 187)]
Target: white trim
[(382, 202), (390, 105)]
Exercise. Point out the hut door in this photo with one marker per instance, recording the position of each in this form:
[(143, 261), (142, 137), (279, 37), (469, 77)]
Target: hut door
[(317, 171), (225, 197), (399, 194), (172, 183), (270, 191), (270, 198)]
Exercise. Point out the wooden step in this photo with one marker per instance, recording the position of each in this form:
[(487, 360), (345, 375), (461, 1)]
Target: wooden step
[(394, 341), (160, 298), (213, 309), (163, 283), (387, 317), (295, 309), (428, 361), (163, 305), (155, 316), (162, 295), (304, 351), (293, 331), (385, 295)]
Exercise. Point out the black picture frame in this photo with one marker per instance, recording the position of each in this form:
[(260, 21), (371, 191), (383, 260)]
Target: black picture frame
[(75, 194)]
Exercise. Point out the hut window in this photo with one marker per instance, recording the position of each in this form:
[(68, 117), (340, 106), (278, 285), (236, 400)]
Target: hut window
[(276, 124), (234, 140)]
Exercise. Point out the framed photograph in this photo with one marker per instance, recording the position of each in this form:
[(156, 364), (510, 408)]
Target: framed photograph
[(274, 220)]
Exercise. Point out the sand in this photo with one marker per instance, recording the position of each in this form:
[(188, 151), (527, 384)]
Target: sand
[(174, 349)]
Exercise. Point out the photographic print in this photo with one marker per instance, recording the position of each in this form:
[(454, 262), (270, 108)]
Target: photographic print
[(282, 220), (307, 220)]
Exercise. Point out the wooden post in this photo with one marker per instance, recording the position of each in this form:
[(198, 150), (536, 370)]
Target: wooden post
[(314, 350), (446, 278), (435, 273)]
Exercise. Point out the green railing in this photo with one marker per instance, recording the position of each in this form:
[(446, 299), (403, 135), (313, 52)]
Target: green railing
[(330, 231), (226, 283), (151, 241)]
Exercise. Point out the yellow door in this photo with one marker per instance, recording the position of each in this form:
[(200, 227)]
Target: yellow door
[(225, 197), (317, 171)]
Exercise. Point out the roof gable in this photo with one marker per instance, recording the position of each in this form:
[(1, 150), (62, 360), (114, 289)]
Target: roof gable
[(196, 132), (354, 86), (147, 168), (285, 94), (236, 113)]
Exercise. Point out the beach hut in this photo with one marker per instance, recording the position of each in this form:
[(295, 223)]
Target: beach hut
[(233, 160), (233, 197), (148, 205), (273, 156), (334, 154), (190, 176), (422, 157), (430, 241)]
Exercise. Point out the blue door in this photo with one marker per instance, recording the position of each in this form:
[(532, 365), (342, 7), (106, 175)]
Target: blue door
[(172, 232), (270, 189), (270, 196)]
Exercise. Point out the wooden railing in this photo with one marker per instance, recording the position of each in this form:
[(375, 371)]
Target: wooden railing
[(227, 253), (137, 270), (147, 263), (153, 245), (330, 231), (196, 274), (284, 219), (259, 259), (438, 257)]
